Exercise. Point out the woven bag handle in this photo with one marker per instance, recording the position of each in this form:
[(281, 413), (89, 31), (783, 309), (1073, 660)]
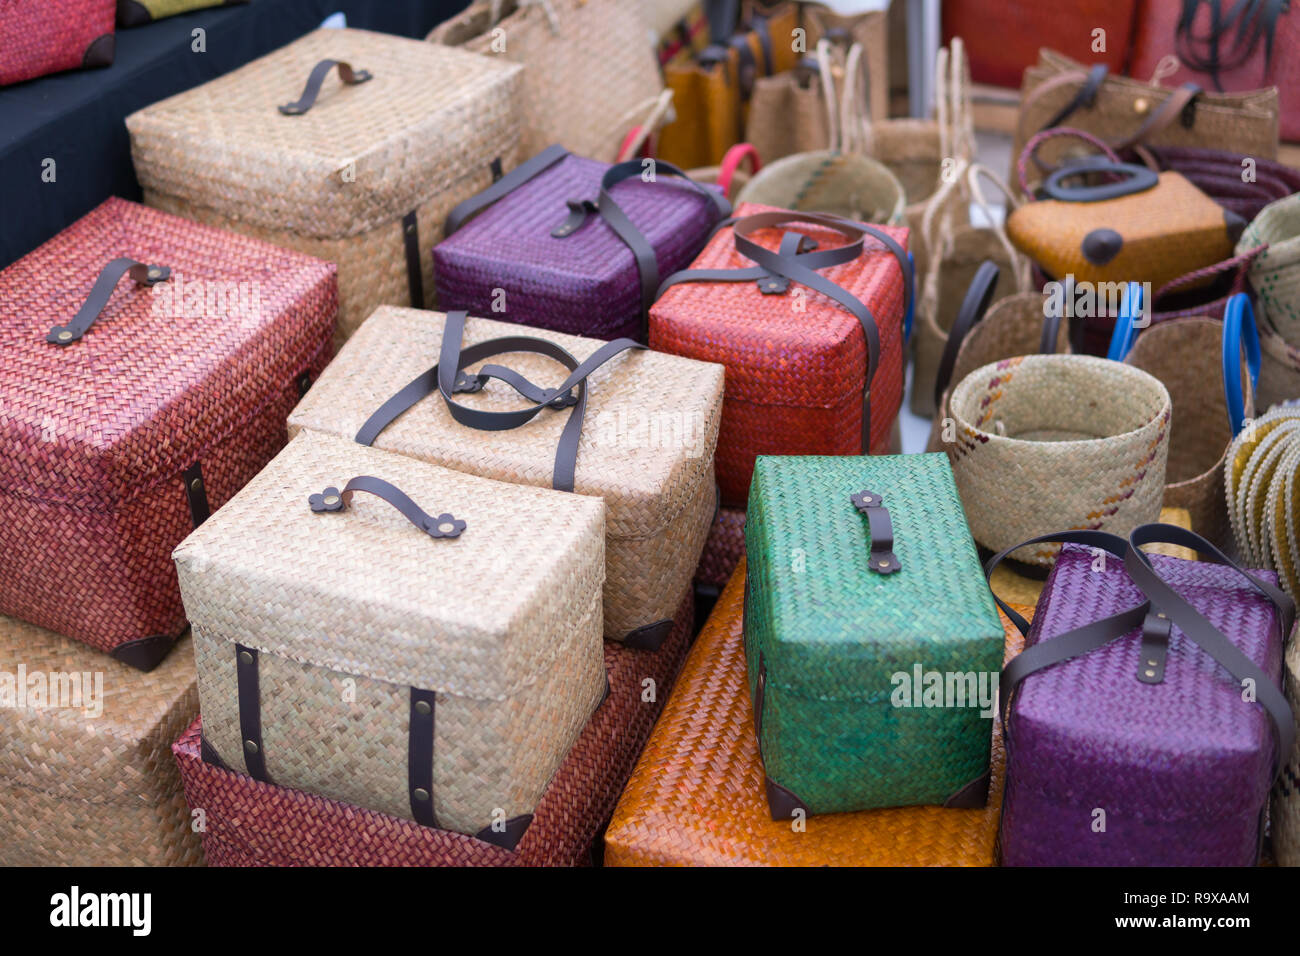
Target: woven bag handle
[(1130, 179), (1038, 139), (331, 499), (731, 162), (528, 170), (101, 292), (976, 302), (349, 76), (1240, 264), (1239, 333)]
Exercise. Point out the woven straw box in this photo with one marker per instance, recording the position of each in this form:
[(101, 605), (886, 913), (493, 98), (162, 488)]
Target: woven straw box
[(102, 441), (647, 444), (423, 133), (88, 781), (348, 617)]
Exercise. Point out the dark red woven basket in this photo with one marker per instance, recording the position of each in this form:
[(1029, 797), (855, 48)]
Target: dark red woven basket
[(723, 549), (49, 36), (259, 824), (113, 446)]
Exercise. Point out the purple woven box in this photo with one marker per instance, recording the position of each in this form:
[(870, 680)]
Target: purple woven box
[(543, 247), (1104, 769)]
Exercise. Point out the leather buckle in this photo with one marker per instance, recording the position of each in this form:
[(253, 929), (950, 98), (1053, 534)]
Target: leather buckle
[(465, 382), (579, 212), (1156, 631), (556, 399)]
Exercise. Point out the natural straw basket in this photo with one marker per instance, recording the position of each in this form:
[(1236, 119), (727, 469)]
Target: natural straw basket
[(77, 790), (1046, 442), (696, 798), (1260, 485), (1286, 794), (364, 177)]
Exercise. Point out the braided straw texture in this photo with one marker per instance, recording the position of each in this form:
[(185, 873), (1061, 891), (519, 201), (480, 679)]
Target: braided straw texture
[(1275, 273), (1262, 490), (94, 436), (1046, 442), (37, 39), (646, 449), (505, 262), (1279, 370), (511, 642), (846, 184), (696, 798), (92, 786), (796, 362), (336, 181), (1012, 326), (1186, 355), (1285, 816), (723, 549), (1182, 768), (833, 733), (588, 73), (259, 824)]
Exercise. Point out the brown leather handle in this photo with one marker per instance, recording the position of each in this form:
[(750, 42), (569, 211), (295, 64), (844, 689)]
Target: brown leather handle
[(101, 292), (1179, 105), (331, 499), (349, 76)]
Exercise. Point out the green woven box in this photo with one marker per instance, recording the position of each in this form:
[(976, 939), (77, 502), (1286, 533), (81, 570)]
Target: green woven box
[(872, 641)]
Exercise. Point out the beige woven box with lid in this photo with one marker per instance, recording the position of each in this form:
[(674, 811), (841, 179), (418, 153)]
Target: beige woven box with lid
[(348, 145), (382, 631), (86, 774), (646, 445)]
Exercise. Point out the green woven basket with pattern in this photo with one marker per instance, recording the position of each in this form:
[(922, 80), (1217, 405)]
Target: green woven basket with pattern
[(872, 641)]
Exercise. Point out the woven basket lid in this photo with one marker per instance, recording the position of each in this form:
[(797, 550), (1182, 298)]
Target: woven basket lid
[(363, 591), (361, 156), (164, 372), (647, 440), (839, 630)]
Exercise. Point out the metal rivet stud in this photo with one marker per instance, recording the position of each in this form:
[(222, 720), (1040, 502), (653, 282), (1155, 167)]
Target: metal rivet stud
[(1152, 663), (331, 499), (245, 657), (421, 794), (196, 485), (65, 336), (250, 746), (1141, 106), (410, 230), (422, 708), (1161, 615), (1151, 673), (446, 528), (154, 272)]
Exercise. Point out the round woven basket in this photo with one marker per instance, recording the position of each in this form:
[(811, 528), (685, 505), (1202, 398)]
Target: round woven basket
[(845, 184), (1047, 442)]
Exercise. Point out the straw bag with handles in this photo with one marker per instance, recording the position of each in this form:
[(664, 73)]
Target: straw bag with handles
[(1262, 489), (869, 28), (1122, 111), (1275, 276)]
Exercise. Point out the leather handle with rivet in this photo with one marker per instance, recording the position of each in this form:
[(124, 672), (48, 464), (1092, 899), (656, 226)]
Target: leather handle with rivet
[(101, 292), (349, 76), (976, 302), (331, 499), (881, 559)]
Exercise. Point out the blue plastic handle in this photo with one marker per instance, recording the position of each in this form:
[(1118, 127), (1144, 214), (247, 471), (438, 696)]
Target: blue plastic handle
[(911, 305), (1239, 330), (1126, 332)]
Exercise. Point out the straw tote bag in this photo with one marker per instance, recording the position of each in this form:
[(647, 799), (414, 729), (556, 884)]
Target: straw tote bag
[(1045, 441), (871, 30), (589, 67), (957, 250), (1275, 276), (1262, 490)]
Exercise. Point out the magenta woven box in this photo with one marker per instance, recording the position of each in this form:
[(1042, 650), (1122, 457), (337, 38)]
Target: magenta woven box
[(147, 366), (1145, 713), (574, 245), (49, 36)]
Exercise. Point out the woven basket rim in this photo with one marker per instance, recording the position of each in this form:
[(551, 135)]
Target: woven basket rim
[(773, 169)]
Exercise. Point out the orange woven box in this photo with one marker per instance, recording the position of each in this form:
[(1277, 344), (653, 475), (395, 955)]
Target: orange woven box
[(696, 797), (806, 312)]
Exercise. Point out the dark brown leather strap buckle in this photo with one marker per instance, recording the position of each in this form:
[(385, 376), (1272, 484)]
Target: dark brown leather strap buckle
[(101, 292), (1156, 631), (881, 529), (349, 76)]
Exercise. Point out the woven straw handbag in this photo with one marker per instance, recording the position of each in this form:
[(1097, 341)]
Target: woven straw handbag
[(1049, 440), (641, 435), (832, 542), (812, 338), (85, 779), (696, 798), (1275, 276), (318, 671), (1123, 111), (1129, 739), (134, 13), (589, 66), (1262, 490), (573, 245), (360, 170), (251, 823), (1285, 816), (870, 29), (38, 38), (167, 355)]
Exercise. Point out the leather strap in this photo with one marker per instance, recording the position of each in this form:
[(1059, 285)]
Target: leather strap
[(502, 187), (411, 239), (880, 527), (250, 712), (1178, 105), (101, 292), (321, 70), (419, 756), (976, 302), (1086, 97), (331, 499), (1254, 20), (196, 494)]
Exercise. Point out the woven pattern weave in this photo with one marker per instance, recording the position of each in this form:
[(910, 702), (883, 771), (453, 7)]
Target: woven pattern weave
[(724, 549), (95, 436), (696, 798), (846, 184), (505, 262), (1181, 768), (87, 780), (647, 443), (589, 67), (1285, 816), (1045, 442), (505, 628), (258, 824), (1275, 273), (794, 378), (835, 730), (37, 40), (336, 181), (1262, 490)]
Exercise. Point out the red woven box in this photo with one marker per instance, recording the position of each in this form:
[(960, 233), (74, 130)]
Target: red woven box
[(248, 823), (43, 36), (796, 360), (134, 403)]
